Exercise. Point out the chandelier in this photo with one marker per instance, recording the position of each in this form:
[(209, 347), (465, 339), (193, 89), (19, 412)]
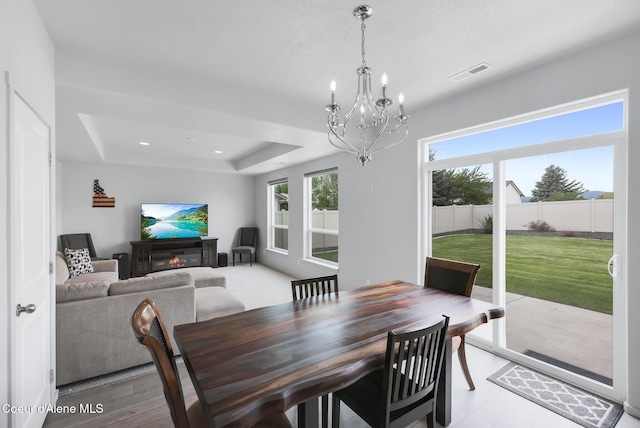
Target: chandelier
[(365, 129)]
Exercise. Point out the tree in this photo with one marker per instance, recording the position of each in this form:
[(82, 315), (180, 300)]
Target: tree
[(555, 186), (441, 187), (462, 187), (282, 188), (324, 191)]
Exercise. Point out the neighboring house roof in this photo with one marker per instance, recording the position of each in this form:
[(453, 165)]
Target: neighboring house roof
[(283, 200), (509, 183)]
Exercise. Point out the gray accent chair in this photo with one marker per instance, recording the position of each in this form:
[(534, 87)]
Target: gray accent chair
[(247, 243), (78, 241)]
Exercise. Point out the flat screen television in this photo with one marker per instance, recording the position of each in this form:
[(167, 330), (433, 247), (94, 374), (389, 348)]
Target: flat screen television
[(169, 221)]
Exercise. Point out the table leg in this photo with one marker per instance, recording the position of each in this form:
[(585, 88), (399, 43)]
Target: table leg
[(308, 414), (443, 406)]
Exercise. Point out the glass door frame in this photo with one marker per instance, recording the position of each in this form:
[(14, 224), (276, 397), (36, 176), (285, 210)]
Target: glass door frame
[(619, 141)]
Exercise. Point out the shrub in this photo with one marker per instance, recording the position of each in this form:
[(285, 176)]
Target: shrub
[(487, 224), (540, 226)]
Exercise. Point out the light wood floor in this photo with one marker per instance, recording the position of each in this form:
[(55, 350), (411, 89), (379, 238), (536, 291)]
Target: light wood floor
[(139, 401)]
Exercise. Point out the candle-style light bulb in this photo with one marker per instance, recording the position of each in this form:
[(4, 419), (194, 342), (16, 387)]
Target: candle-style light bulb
[(401, 103), (332, 86), (384, 80)]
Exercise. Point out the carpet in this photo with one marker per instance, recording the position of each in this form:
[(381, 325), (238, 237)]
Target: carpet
[(574, 404)]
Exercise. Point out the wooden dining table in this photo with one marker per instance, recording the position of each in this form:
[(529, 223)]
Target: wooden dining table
[(254, 364)]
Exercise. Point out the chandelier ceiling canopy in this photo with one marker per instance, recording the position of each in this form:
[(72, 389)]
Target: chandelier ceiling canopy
[(367, 127)]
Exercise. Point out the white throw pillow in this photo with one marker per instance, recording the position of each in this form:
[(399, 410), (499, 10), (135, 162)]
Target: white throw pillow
[(79, 261)]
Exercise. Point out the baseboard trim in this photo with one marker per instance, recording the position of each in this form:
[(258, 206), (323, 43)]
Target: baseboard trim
[(633, 411)]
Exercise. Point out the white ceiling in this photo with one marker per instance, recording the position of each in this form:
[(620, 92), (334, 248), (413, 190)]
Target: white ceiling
[(251, 78)]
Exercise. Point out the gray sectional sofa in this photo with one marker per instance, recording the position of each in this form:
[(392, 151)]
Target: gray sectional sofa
[(93, 314)]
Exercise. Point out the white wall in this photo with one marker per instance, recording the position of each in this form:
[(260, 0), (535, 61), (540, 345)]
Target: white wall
[(378, 218), (385, 246), (230, 199), (26, 52)]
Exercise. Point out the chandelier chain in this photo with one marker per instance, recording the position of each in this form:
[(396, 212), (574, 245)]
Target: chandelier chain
[(362, 27)]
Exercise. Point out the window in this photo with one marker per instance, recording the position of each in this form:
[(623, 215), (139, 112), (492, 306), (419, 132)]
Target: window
[(279, 215), (322, 215), (551, 230)]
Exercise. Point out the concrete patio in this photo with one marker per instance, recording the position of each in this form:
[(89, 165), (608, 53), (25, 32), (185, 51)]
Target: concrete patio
[(577, 339)]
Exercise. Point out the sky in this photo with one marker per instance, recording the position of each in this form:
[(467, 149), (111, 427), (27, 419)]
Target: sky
[(592, 167), (164, 210)]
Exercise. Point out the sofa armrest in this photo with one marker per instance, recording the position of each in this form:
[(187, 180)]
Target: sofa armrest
[(110, 265)]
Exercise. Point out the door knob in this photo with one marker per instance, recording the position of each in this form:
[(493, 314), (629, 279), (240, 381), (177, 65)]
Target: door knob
[(28, 309)]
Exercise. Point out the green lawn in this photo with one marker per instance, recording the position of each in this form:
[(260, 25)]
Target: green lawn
[(572, 271), (327, 255)]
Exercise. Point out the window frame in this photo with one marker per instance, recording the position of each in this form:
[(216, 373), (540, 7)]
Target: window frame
[(273, 227), (309, 230)]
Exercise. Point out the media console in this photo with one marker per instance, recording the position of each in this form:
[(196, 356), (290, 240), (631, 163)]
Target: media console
[(163, 254)]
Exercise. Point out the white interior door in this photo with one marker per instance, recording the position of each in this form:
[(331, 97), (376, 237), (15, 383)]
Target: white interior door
[(31, 290)]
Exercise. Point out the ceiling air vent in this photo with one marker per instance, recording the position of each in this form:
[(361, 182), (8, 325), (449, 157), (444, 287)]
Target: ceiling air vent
[(476, 69)]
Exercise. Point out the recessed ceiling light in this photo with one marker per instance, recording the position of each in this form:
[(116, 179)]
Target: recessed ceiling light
[(144, 143), (218, 151)]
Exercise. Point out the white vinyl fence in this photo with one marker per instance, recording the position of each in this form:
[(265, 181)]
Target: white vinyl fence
[(326, 220), (592, 215)]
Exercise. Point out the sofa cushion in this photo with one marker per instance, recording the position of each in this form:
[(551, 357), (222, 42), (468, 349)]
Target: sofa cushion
[(203, 276), (212, 302), (146, 283), (78, 261), (81, 291)]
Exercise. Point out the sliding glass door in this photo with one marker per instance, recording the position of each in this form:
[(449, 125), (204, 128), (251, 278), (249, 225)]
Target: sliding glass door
[(548, 228)]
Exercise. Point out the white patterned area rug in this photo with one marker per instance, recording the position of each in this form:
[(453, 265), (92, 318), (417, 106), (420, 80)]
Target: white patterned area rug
[(579, 406)]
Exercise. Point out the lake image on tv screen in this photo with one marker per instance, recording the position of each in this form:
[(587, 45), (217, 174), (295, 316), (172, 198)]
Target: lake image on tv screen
[(163, 221)]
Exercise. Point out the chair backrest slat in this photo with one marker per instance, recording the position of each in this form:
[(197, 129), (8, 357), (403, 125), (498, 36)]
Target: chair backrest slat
[(311, 287), (412, 365)]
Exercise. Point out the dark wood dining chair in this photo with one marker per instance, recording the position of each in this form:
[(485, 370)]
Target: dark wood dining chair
[(149, 329), (311, 287), (405, 390), (454, 277)]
